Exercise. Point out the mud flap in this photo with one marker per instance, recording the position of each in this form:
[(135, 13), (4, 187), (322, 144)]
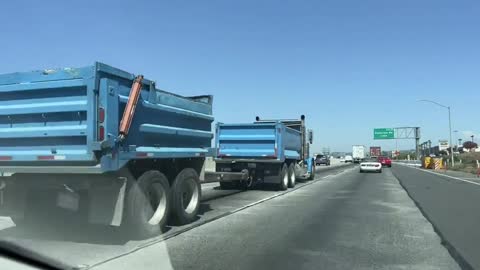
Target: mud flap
[(107, 203), (202, 172), (12, 199)]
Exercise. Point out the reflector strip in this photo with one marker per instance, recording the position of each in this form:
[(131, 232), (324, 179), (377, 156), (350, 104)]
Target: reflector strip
[(52, 157), (144, 154)]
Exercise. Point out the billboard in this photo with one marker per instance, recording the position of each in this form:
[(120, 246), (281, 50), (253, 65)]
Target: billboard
[(443, 145)]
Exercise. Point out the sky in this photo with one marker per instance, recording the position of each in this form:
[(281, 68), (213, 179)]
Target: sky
[(349, 66)]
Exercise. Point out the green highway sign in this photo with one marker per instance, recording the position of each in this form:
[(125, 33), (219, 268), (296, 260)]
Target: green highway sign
[(383, 133)]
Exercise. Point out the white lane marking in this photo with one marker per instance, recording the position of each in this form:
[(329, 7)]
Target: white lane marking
[(409, 164), (413, 236), (325, 177), (448, 176)]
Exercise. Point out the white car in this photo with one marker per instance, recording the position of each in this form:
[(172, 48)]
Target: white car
[(371, 166), (348, 159)]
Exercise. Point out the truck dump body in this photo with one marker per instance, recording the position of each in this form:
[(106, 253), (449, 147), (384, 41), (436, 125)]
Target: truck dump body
[(70, 117), (262, 141)]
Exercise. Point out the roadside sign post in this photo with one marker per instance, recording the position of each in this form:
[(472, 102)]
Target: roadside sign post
[(399, 133)]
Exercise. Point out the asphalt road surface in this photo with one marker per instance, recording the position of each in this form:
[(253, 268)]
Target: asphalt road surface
[(81, 245), (452, 205), (341, 220)]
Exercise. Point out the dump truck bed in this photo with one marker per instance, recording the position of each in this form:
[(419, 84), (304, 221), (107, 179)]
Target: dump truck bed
[(268, 142), (68, 120)]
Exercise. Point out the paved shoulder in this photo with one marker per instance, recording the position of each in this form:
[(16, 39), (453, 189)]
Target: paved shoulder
[(452, 207)]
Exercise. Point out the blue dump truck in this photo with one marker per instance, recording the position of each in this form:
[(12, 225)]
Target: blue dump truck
[(108, 143), (266, 151)]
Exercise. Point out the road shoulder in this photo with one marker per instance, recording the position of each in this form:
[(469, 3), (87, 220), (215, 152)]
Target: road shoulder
[(450, 205)]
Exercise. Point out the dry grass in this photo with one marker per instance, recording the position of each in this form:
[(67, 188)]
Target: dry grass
[(469, 163)]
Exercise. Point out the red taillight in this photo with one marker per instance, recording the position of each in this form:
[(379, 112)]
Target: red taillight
[(142, 154), (101, 120), (101, 133), (275, 154), (101, 115), (45, 157), (5, 158)]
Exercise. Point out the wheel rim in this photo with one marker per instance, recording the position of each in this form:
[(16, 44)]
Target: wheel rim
[(293, 177), (190, 195), (249, 182), (285, 179), (157, 200)]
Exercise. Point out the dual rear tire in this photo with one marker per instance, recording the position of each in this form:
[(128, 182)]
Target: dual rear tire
[(292, 179), (151, 202), (287, 177), (284, 178)]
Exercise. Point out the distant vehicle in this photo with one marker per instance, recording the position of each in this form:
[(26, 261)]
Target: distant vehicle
[(348, 159), (358, 153), (385, 161), (269, 151), (375, 151), (371, 166), (322, 160)]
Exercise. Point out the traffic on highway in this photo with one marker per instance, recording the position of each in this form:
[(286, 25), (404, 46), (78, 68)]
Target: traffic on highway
[(249, 135)]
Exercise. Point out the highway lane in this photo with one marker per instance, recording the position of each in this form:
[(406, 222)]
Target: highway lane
[(345, 221), (81, 245), (452, 206)]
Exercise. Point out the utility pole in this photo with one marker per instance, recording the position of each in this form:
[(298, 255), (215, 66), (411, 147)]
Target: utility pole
[(449, 124)]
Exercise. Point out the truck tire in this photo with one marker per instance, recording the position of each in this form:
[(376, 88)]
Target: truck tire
[(312, 175), (148, 204), (283, 185), (292, 178), (186, 193)]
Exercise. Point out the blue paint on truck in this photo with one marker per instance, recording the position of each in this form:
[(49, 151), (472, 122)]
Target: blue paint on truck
[(262, 150), (51, 117), (262, 140), (64, 123)]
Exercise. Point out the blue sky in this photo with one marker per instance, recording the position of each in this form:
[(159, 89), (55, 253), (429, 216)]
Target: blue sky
[(349, 66)]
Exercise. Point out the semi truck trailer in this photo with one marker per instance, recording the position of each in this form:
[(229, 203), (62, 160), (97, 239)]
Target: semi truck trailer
[(375, 151), (358, 153)]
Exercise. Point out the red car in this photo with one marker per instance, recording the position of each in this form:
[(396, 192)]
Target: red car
[(385, 161)]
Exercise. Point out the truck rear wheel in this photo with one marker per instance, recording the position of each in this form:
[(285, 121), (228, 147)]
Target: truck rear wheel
[(283, 185), (186, 194), (148, 203), (292, 179), (312, 174)]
